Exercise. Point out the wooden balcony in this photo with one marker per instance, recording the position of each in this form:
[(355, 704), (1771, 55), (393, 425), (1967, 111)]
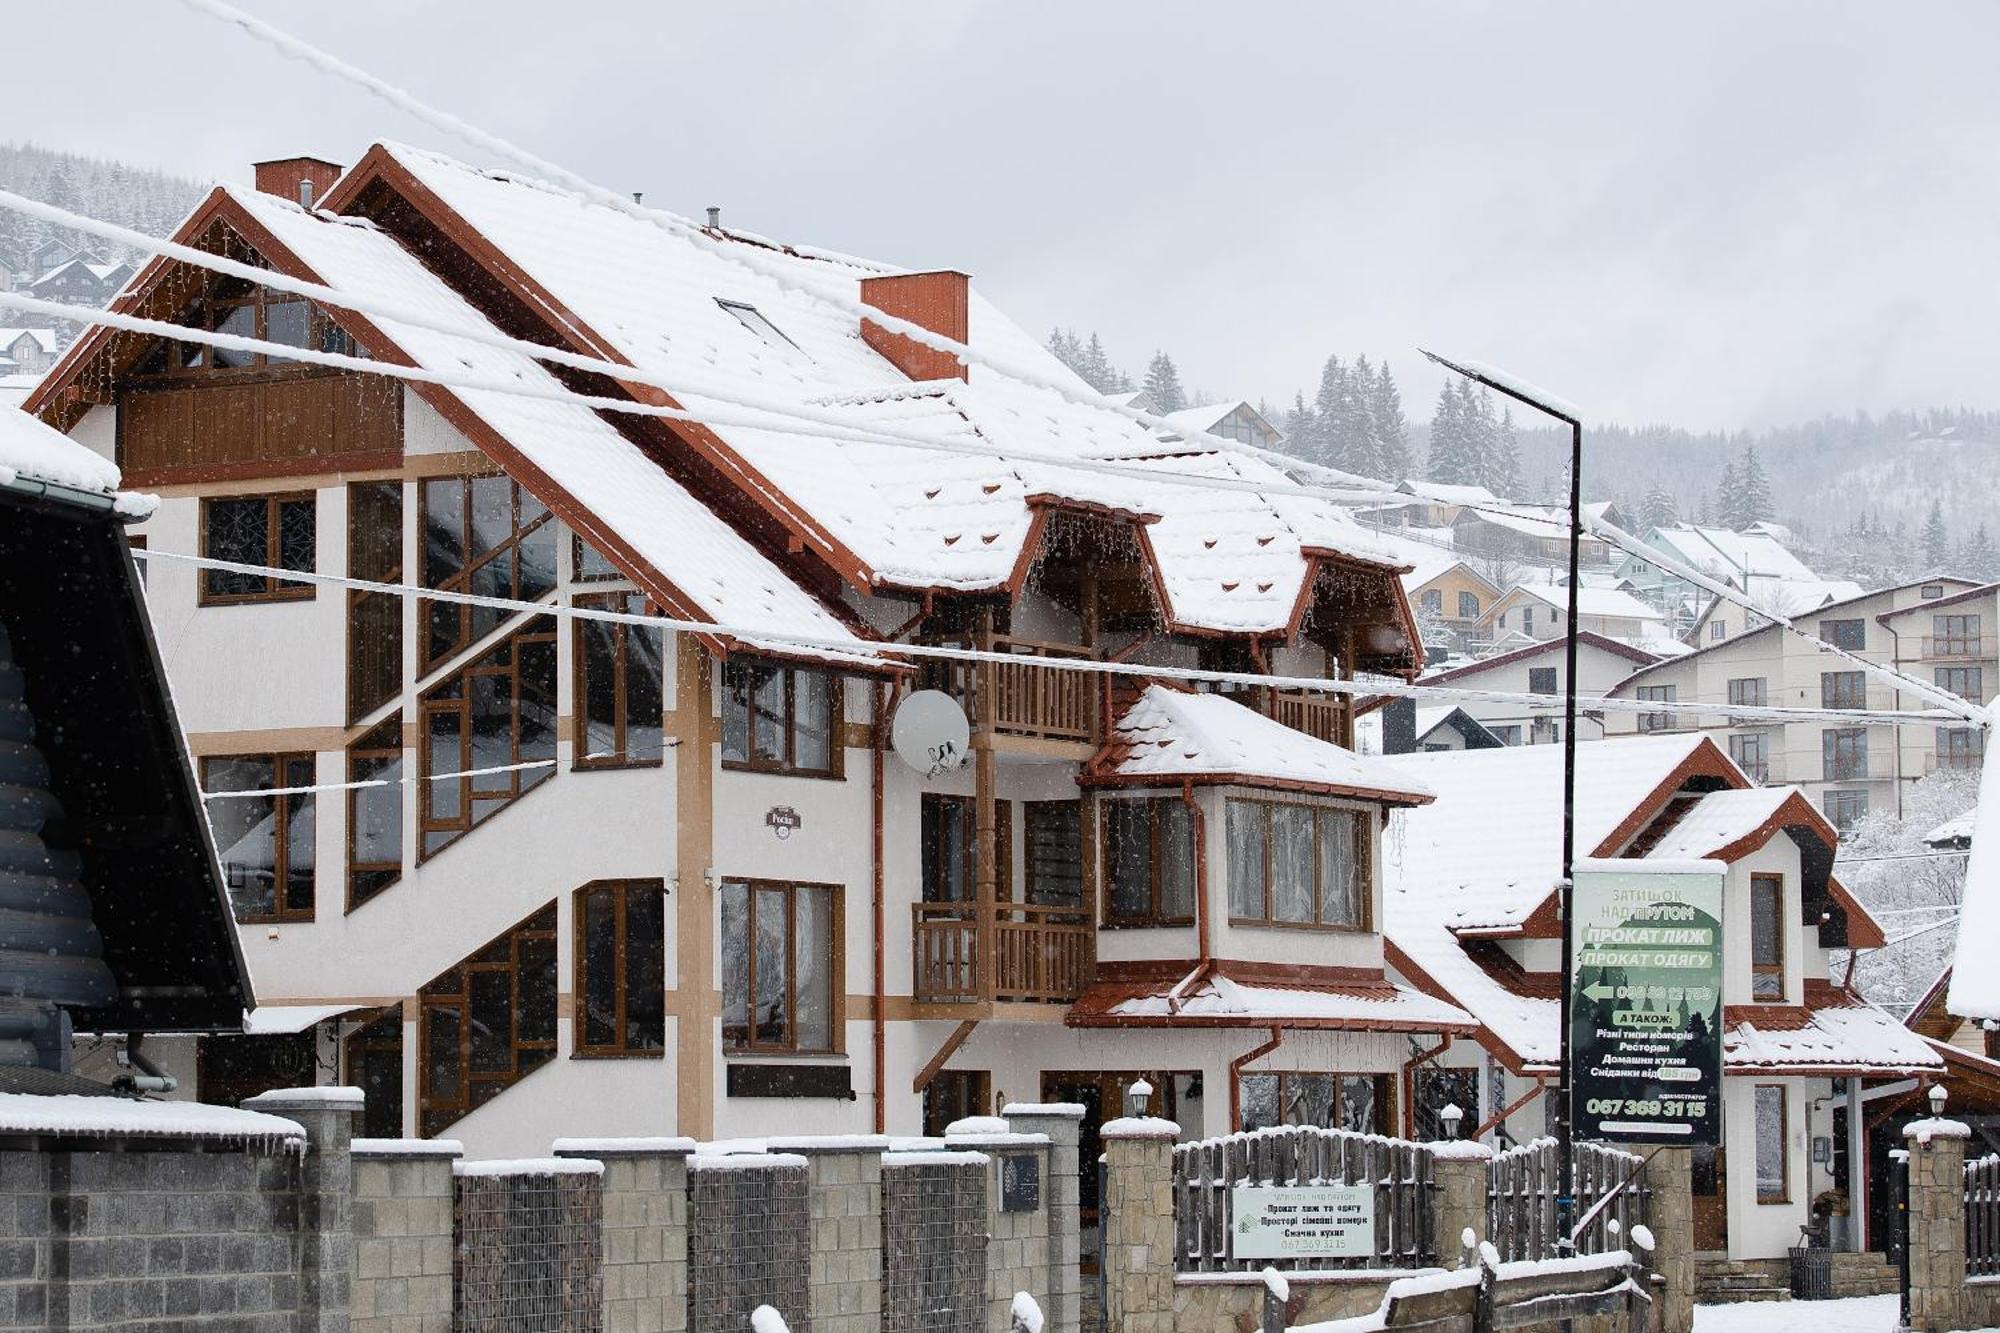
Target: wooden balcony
[(1024, 705), (1326, 717), (1013, 953)]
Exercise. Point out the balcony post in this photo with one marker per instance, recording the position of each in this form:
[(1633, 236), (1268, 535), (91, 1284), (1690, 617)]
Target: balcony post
[(985, 838)]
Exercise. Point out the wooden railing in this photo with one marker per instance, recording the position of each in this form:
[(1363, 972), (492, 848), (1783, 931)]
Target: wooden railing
[(1323, 716), (1037, 954), (1521, 1198), (1023, 698)]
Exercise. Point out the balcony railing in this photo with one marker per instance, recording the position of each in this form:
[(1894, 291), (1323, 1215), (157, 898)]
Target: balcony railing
[(1959, 647), (1954, 761), (1024, 698), (1023, 953), (1325, 717)]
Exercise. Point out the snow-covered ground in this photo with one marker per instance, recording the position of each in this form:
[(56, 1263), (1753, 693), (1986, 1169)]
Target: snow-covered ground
[(1862, 1314)]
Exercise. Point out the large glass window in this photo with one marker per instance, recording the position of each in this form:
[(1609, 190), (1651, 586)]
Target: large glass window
[(949, 840), (1773, 1166), (374, 619), (1844, 754), (1468, 606), (1149, 861), (1752, 753), (488, 734), (373, 1055), (1849, 634), (780, 719), (375, 812), (1843, 689), (1054, 853), (1954, 636), (271, 531), (487, 1023), (621, 968), (1749, 692), (619, 703), (1843, 808), (1767, 937), (1542, 680), (1967, 682), (487, 536), (780, 946), (1359, 1102), (1657, 694), (1298, 865), (1961, 747), (263, 833), (235, 307)]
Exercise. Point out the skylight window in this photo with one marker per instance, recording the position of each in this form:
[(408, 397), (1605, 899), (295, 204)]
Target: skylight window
[(753, 319)]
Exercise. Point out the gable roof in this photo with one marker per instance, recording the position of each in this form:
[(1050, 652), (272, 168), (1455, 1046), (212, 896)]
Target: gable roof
[(1209, 415), (43, 338), (1170, 736), (887, 516), (1722, 553), (1586, 637), (1969, 594)]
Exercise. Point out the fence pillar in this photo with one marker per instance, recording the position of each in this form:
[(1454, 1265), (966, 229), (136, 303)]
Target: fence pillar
[(1062, 1123), (402, 1235), (645, 1230), (1461, 1171), (844, 1194), (1670, 1217), (1937, 1224), (326, 1205), (1137, 1223)]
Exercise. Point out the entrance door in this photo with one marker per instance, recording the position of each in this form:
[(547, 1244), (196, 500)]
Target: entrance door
[(1710, 1186), (954, 1094), (1101, 1094)]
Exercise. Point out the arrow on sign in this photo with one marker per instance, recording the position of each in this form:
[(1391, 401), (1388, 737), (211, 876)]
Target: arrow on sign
[(1598, 991)]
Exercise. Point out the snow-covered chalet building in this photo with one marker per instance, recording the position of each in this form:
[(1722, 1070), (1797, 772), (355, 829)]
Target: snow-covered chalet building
[(521, 876), (1472, 919)]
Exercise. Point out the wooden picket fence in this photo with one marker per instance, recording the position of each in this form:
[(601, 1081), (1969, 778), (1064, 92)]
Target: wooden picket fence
[(1521, 1199), (1982, 1217), (1205, 1172)]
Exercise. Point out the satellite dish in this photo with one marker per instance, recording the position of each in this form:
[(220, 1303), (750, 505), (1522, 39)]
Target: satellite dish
[(930, 733)]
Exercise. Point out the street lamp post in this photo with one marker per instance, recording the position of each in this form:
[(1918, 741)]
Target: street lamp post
[(1509, 387)]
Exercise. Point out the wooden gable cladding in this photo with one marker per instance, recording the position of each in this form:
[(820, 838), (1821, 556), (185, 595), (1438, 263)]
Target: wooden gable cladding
[(285, 425)]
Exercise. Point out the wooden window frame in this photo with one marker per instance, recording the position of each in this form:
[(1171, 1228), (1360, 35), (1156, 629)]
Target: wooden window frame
[(577, 548), (281, 820), (1154, 917), (581, 1047), (275, 589), (1030, 849), (1784, 1145), (537, 927), (508, 550), (1385, 1090), (1364, 855), (537, 630), (581, 759), (1843, 689), (359, 565), (968, 857), (1776, 969), (1833, 631), (1741, 696), (788, 766), (207, 313), (836, 968), (377, 1032), (358, 754)]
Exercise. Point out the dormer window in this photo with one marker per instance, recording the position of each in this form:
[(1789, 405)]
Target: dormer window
[(753, 319)]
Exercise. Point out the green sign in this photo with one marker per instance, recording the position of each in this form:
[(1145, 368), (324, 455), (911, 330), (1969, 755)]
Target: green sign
[(1646, 1002)]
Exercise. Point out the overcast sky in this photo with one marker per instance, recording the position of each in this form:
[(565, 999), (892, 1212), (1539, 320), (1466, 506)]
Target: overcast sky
[(1714, 214)]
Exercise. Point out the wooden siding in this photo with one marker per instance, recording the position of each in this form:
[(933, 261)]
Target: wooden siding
[(270, 426)]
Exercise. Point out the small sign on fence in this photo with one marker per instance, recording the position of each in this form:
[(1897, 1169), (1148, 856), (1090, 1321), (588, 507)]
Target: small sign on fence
[(1302, 1221), (1646, 1002), (1020, 1183)]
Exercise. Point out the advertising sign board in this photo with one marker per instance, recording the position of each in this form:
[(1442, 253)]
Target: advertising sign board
[(1302, 1221), (1646, 1002)]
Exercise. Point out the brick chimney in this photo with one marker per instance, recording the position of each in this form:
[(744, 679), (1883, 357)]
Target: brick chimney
[(935, 300), (303, 180)]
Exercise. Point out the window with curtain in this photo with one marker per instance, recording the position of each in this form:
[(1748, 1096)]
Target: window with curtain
[(1767, 937), (1297, 865), (1148, 861), (780, 951)]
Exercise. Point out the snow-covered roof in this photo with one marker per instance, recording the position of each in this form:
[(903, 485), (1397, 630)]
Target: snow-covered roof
[(1606, 603), (1374, 1002), (1427, 559), (1170, 736), (1719, 819), (43, 338), (1588, 641), (1543, 522), (1448, 494), (38, 452), (1954, 832), (1723, 554), (725, 578), (1835, 1029), (277, 1019), (1233, 561), (117, 1117), (1207, 416)]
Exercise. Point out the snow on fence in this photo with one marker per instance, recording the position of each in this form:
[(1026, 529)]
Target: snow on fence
[(1521, 1198), (1982, 1217), (1206, 1171)]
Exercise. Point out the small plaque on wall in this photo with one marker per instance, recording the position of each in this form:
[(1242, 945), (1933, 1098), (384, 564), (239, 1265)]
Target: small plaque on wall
[(1021, 1183), (814, 1080)]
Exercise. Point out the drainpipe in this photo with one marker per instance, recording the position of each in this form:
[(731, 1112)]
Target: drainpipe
[(1236, 1071), (150, 1078), (1410, 1082), (1198, 818), (1895, 660), (878, 720)]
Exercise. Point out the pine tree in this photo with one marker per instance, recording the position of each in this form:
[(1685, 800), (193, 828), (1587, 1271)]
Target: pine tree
[(1936, 541), (1350, 432), (1068, 351), (1326, 411), (1163, 385), (1753, 491), (1450, 460), (1103, 376), (1503, 461), (1299, 428), (1728, 487), (1658, 509), (1978, 559), (1392, 432)]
